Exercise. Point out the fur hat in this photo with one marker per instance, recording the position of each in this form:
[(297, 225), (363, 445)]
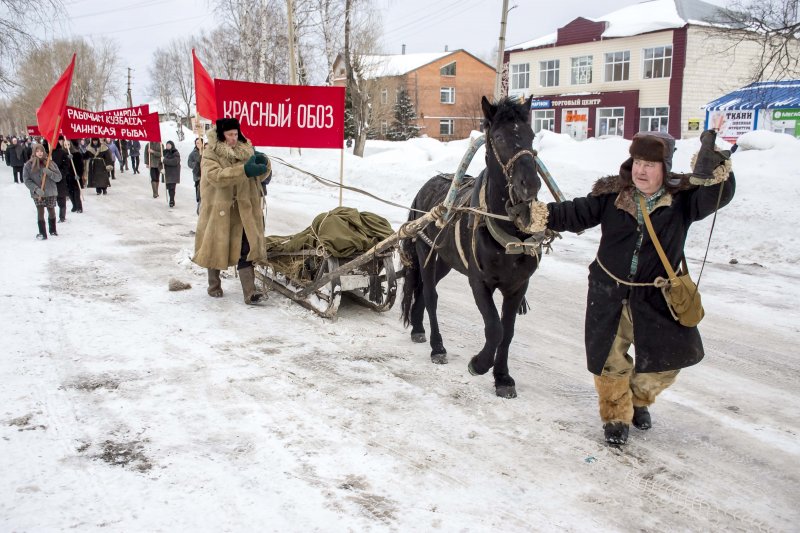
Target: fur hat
[(654, 146), (228, 124)]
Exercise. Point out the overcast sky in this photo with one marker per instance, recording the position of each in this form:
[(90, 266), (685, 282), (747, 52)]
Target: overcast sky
[(141, 26)]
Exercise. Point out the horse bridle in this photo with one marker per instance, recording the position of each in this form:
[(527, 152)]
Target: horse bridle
[(513, 202)]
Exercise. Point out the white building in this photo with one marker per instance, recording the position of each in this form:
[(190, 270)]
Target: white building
[(649, 66)]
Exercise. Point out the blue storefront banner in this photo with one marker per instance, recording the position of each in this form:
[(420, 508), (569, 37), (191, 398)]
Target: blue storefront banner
[(541, 104)]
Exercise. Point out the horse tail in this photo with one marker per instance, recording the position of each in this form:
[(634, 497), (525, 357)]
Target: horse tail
[(412, 277)]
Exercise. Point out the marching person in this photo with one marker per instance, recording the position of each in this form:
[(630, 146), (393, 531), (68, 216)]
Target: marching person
[(115, 156), (135, 147), (73, 176), (16, 158), (194, 162), (123, 150), (624, 307), (230, 228), (61, 157), (153, 152), (98, 165), (44, 195), (172, 170)]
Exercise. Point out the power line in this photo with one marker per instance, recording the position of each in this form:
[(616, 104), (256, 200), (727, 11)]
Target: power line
[(147, 26)]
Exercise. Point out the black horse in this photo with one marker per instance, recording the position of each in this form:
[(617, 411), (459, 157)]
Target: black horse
[(467, 244)]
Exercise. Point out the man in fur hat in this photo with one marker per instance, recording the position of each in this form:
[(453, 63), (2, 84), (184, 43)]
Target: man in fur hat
[(623, 307), (230, 228)]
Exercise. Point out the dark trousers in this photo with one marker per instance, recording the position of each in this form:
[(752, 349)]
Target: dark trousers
[(171, 191), (154, 174), (62, 207), (243, 262), (135, 163), (17, 171), (74, 190)]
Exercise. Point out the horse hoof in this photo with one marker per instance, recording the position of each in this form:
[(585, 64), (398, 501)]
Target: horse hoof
[(472, 370), (418, 337), (439, 358), (506, 391)]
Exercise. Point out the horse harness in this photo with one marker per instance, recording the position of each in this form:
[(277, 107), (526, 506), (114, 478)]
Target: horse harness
[(512, 245)]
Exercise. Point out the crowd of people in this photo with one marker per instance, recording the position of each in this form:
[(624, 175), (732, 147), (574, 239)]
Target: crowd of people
[(56, 177)]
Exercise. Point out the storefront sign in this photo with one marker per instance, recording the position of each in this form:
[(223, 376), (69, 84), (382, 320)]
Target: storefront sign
[(284, 115), (694, 124), (731, 124), (541, 104), (786, 114)]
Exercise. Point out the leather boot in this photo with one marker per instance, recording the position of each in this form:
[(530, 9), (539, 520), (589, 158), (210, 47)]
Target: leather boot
[(154, 185), (248, 278), (42, 231), (214, 283), (51, 223)]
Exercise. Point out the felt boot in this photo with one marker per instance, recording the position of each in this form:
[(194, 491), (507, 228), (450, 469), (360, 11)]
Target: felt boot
[(214, 283), (51, 224), (154, 185), (248, 278), (42, 231)]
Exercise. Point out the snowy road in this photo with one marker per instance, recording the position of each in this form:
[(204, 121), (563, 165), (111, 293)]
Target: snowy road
[(126, 407)]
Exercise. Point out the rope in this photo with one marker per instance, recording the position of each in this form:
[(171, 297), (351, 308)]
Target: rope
[(659, 282)]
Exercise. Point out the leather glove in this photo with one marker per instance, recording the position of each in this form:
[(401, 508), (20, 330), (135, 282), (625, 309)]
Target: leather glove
[(254, 169), (709, 158)]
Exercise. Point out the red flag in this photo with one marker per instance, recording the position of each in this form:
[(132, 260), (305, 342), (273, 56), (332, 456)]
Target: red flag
[(205, 96), (50, 113)]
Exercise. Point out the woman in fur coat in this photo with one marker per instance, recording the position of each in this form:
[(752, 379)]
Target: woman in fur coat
[(623, 307), (43, 194), (98, 164), (172, 170), (230, 228)]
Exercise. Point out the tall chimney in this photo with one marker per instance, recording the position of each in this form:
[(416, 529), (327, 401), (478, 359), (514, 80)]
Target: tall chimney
[(404, 49)]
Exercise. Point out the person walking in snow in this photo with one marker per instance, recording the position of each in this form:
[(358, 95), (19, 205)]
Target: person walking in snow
[(16, 158), (44, 194), (123, 150), (115, 156), (194, 162), (73, 176), (98, 165), (230, 228), (134, 149), (172, 170), (153, 153), (624, 308), (61, 157)]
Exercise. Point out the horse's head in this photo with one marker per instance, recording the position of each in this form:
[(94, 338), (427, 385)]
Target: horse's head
[(509, 149)]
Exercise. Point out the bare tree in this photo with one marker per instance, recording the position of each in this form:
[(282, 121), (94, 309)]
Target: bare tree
[(162, 85), (360, 42), (17, 17), (773, 27)]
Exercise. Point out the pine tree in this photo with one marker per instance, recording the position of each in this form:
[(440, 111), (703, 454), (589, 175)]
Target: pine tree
[(404, 126)]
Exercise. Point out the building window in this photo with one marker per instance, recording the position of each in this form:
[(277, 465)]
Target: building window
[(446, 127), (581, 70), (384, 96), (448, 70), (384, 127), (653, 119), (520, 76), (544, 119), (618, 66), (610, 121), (657, 62), (447, 95), (548, 73)]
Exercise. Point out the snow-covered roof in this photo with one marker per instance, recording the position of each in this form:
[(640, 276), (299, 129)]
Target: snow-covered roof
[(397, 65), (644, 17), (760, 95)]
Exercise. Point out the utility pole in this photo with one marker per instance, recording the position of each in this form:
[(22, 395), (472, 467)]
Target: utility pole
[(501, 46), (130, 99)]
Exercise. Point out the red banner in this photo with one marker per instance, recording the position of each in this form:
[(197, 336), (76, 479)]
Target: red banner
[(33, 131), (297, 116), (131, 123)]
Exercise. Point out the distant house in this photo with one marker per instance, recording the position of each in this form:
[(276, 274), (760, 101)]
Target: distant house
[(649, 66), (445, 89)]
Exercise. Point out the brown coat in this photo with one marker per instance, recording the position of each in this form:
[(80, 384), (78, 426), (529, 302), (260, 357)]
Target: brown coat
[(231, 204)]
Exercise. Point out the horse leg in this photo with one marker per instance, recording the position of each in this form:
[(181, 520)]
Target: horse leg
[(504, 385), (417, 314), (431, 275), (492, 329)]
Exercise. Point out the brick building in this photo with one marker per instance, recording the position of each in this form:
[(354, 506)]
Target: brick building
[(445, 89), (649, 66)]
